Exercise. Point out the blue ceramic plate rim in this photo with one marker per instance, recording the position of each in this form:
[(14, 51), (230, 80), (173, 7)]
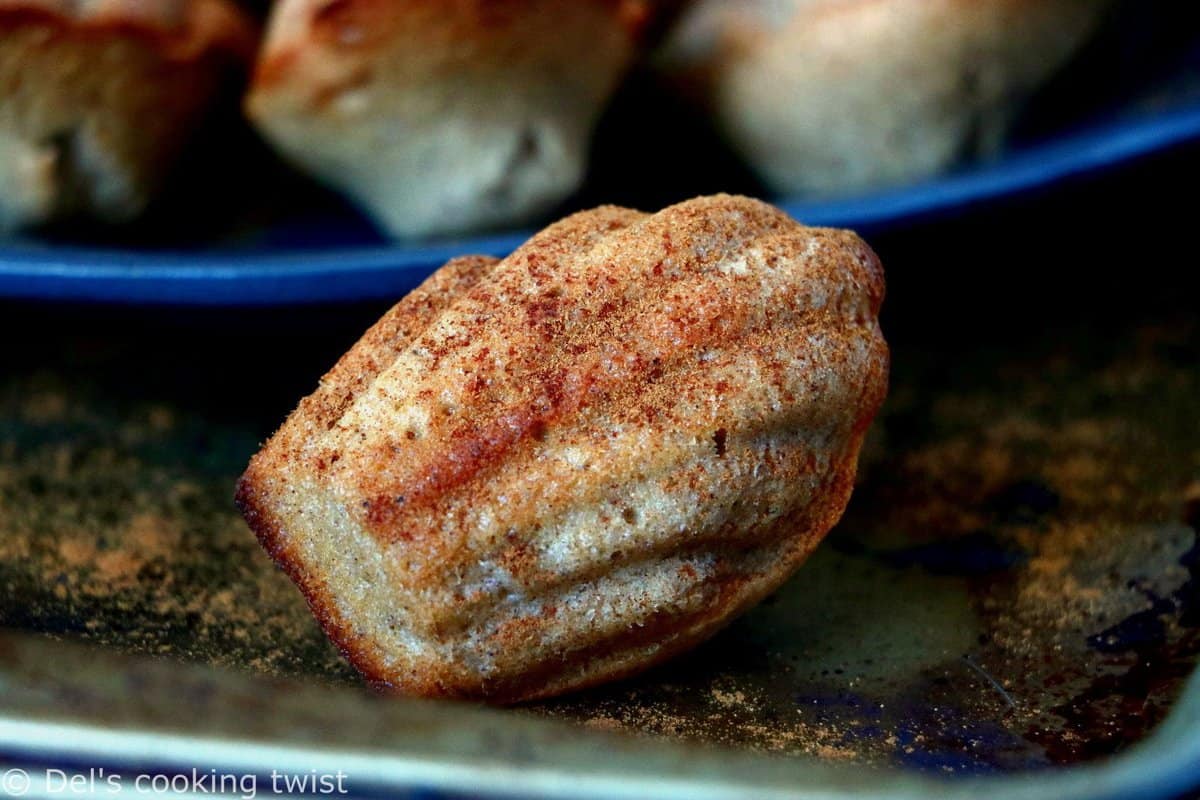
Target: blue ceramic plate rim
[(356, 273)]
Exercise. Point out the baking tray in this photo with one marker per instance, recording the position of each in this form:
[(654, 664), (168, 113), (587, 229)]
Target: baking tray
[(1011, 605)]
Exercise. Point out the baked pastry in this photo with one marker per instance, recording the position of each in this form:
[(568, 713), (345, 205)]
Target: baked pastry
[(826, 97), (98, 96), (537, 474), (439, 118)]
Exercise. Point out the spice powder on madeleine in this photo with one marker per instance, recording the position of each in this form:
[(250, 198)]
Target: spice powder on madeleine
[(544, 472)]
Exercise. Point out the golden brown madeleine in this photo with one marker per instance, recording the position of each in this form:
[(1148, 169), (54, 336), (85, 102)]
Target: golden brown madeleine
[(832, 96), (542, 473), (97, 98), (448, 116)]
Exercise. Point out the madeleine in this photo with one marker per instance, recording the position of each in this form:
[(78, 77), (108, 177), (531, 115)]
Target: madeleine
[(540, 473)]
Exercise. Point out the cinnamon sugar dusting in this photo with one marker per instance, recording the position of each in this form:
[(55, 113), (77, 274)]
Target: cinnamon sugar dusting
[(113, 531), (1013, 586)]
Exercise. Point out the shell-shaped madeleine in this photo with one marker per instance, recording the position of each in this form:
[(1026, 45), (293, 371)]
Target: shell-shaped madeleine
[(544, 472), (445, 116)]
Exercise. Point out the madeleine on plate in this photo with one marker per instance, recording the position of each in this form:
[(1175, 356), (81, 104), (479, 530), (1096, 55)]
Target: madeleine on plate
[(829, 97), (443, 117), (98, 98)]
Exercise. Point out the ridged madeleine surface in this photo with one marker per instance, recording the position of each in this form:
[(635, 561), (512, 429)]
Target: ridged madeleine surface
[(544, 472)]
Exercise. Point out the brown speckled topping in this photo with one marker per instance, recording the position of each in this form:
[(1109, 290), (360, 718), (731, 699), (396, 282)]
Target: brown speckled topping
[(597, 452)]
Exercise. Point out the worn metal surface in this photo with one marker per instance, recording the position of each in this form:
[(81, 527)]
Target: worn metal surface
[(97, 715), (1015, 585)]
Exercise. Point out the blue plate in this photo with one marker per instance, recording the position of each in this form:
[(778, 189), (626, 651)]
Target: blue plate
[(275, 272)]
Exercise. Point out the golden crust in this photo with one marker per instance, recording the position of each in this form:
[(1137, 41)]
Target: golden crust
[(179, 29), (479, 30), (542, 473), (100, 96)]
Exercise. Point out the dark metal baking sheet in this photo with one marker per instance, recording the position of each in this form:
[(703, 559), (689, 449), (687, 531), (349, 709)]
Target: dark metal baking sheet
[(1013, 592)]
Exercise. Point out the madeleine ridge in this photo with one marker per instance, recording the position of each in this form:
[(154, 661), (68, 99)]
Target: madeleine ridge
[(540, 473)]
